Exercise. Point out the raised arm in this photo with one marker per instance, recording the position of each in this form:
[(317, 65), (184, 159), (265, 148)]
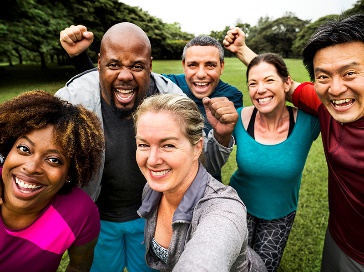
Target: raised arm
[(235, 42), (222, 116), (219, 143), (75, 39)]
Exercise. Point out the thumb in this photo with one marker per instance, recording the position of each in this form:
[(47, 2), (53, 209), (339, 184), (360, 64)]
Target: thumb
[(206, 102)]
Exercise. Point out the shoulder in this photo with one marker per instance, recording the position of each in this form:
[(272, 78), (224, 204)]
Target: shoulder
[(91, 76), (76, 198), (175, 77), (230, 89), (216, 191), (165, 85), (303, 116), (84, 88), (87, 81), (245, 115)]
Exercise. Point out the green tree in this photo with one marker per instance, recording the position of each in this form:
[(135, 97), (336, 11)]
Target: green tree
[(304, 35), (358, 8), (276, 36)]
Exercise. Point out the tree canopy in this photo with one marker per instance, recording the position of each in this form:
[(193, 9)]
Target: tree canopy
[(29, 29)]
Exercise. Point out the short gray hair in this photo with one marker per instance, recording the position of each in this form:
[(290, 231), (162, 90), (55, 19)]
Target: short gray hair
[(204, 41)]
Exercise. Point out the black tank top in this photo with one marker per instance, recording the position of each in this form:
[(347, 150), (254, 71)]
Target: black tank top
[(250, 128)]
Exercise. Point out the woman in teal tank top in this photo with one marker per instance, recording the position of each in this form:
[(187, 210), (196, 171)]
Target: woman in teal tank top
[(273, 141)]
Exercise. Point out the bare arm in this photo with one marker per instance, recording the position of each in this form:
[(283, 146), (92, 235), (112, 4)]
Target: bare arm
[(235, 42), (81, 257)]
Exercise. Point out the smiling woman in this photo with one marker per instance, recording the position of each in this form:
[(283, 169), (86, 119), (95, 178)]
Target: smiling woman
[(194, 222), (49, 150)]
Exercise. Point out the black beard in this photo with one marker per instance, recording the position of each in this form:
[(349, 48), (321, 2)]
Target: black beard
[(124, 112)]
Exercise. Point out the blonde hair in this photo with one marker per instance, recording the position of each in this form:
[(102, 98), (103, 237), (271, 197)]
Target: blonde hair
[(183, 108)]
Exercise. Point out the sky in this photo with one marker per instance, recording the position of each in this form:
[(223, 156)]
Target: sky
[(203, 16)]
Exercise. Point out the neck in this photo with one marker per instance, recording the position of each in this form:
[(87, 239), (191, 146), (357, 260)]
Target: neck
[(15, 220), (273, 121)]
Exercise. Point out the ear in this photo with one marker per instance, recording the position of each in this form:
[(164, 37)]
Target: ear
[(288, 84), (98, 62), (222, 67), (198, 149)]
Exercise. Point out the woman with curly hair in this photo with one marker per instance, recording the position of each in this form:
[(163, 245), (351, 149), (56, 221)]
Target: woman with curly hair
[(50, 149)]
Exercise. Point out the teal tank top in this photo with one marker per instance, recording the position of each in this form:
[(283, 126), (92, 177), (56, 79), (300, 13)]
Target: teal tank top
[(268, 177)]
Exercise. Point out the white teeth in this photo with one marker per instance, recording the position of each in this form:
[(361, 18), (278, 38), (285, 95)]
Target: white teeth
[(24, 185), (160, 173), (122, 91), (263, 100), (201, 84), (341, 101)]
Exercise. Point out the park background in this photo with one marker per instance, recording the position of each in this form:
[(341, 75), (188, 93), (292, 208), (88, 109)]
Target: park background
[(32, 58)]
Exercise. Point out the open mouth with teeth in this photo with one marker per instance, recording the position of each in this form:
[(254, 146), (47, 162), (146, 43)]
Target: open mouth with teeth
[(342, 103), (264, 100), (124, 96), (201, 86), (25, 187), (159, 174)]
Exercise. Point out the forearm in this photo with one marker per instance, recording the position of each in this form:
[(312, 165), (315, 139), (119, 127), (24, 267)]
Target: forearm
[(82, 62), (245, 54), (216, 154), (218, 240)]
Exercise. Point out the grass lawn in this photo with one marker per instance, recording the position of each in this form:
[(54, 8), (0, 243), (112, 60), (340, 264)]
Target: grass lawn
[(303, 251)]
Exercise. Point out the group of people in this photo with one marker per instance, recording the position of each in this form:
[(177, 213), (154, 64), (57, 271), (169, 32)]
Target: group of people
[(148, 150)]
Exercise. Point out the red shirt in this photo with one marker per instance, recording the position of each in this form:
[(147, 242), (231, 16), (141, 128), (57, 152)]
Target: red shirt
[(344, 151)]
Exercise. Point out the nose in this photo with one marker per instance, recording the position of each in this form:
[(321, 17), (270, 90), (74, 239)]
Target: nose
[(337, 86), (201, 73), (261, 88), (125, 75), (154, 157), (33, 166)]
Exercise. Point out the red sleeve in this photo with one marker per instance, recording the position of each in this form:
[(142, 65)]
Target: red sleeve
[(305, 98)]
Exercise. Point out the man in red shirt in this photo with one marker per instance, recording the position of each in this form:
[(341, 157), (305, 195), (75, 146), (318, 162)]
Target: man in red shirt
[(334, 58)]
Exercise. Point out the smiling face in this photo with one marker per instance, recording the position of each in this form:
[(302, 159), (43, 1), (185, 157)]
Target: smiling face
[(164, 154), (125, 65), (266, 88), (34, 171), (202, 69), (339, 80)]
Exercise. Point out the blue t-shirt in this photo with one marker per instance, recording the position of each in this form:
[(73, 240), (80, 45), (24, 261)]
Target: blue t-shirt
[(222, 90), (268, 177)]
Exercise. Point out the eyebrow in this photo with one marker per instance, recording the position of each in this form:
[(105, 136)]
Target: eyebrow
[(33, 144), (27, 138), (342, 68), (161, 141)]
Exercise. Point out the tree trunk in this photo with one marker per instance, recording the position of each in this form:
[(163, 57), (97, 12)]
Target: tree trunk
[(42, 61), (20, 56)]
